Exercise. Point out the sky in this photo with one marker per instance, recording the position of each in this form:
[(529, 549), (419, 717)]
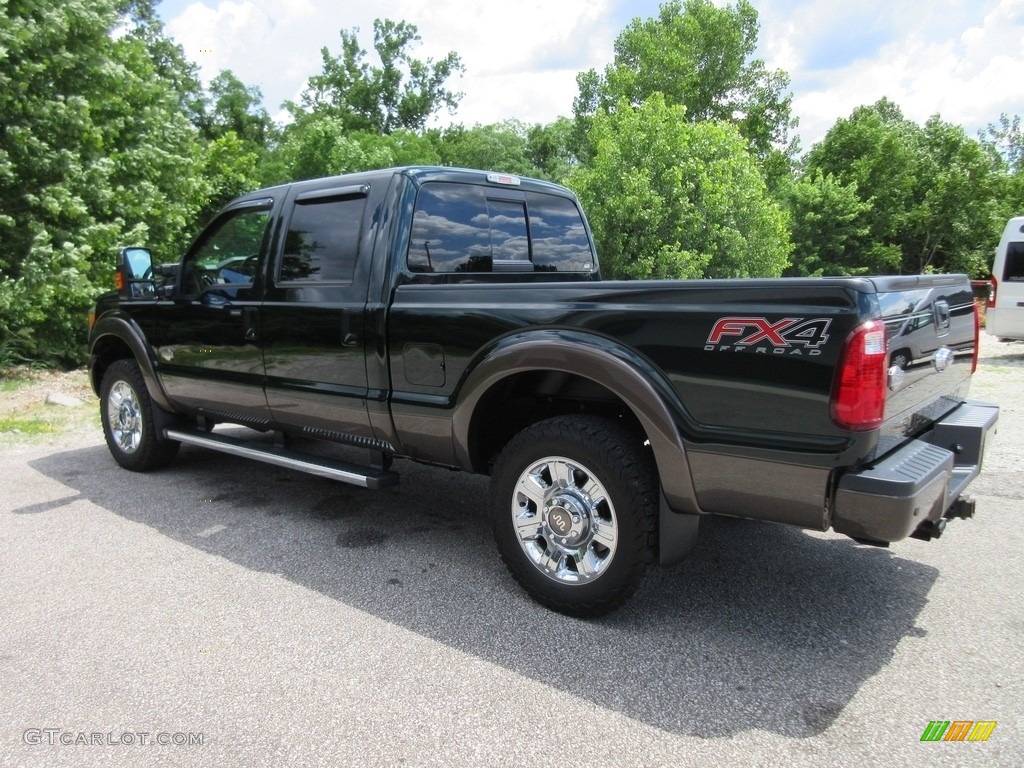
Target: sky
[(961, 59)]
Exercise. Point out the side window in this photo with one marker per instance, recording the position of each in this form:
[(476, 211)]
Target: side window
[(323, 240), (228, 254), (450, 231), (467, 228), (1013, 270), (559, 238)]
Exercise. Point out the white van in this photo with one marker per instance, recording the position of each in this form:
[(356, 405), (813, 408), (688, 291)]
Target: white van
[(1004, 316)]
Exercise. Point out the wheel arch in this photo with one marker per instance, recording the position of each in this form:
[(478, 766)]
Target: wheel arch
[(117, 337), (553, 372)]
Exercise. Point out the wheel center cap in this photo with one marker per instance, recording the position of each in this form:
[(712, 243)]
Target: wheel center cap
[(560, 521), (568, 521)]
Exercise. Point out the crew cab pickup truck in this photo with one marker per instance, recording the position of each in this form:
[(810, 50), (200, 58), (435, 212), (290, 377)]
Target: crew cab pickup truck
[(459, 318)]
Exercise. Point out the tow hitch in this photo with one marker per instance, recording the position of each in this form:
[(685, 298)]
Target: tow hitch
[(962, 508), (929, 529)]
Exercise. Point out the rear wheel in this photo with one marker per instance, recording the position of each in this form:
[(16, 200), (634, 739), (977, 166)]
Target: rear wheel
[(574, 510), (901, 358), (130, 423)]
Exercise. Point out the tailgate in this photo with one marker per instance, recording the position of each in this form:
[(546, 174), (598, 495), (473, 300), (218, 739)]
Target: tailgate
[(931, 334)]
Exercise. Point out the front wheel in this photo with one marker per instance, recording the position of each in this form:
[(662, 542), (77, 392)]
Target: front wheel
[(574, 510), (129, 420)]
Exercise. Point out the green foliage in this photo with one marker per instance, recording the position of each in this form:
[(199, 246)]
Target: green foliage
[(498, 147), (667, 198), (549, 149), (698, 56), (1007, 139), (830, 230), (95, 139), (402, 93), (933, 194)]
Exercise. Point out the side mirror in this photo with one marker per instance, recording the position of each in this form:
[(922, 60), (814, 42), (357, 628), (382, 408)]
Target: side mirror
[(134, 275)]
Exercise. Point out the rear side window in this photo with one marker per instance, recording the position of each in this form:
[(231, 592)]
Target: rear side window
[(322, 240), (1013, 269), (459, 228), (558, 237)]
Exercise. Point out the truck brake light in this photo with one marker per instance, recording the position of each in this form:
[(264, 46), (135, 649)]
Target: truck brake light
[(504, 178), (977, 338), (858, 393)]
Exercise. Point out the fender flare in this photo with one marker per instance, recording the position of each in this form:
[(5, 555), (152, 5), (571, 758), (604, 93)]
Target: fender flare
[(620, 370), (123, 327)]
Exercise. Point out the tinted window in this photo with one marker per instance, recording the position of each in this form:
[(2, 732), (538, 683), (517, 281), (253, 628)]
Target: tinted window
[(467, 228), (323, 240), (559, 239), (1013, 270), (509, 241), (450, 231)]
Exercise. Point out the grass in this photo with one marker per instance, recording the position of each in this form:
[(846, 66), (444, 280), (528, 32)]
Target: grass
[(31, 427), (11, 382)]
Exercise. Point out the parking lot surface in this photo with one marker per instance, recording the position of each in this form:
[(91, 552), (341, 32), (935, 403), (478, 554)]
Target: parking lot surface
[(222, 612)]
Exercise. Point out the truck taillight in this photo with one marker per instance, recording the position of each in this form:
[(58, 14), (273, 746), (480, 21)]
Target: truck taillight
[(858, 394), (977, 338), (993, 287)]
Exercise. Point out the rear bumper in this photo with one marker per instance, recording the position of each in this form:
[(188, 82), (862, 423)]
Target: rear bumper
[(919, 483), (1006, 322)]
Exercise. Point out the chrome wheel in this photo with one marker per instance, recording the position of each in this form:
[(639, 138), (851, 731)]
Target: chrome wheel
[(564, 520), (124, 414)]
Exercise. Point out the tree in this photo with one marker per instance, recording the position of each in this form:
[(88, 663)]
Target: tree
[(1007, 139), (699, 56), (932, 192), (95, 152), (498, 147), (667, 198), (402, 93), (549, 149), (830, 230), (237, 108)]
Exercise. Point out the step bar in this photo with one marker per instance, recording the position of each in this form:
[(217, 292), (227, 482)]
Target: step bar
[(365, 477)]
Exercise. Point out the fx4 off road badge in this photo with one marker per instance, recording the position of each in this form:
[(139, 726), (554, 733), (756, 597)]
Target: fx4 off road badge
[(789, 336)]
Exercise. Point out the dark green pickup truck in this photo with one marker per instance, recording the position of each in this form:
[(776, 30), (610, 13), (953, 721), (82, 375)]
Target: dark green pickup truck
[(459, 318)]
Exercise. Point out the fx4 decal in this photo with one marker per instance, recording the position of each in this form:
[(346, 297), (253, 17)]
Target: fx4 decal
[(789, 336)]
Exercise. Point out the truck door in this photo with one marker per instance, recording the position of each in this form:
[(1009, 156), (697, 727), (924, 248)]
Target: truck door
[(313, 317), (206, 338)]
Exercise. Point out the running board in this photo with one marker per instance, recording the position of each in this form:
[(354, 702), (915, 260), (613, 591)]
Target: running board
[(354, 474)]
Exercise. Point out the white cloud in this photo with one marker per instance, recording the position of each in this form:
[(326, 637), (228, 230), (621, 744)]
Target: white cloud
[(963, 59), (521, 60)]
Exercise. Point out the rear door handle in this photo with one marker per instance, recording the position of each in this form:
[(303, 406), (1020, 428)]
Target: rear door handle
[(250, 317), (349, 338)]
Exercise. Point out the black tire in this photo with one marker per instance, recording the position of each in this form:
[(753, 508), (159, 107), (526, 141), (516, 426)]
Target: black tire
[(900, 358), (574, 506), (132, 421)]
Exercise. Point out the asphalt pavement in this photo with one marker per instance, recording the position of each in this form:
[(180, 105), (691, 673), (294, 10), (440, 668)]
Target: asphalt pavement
[(223, 612)]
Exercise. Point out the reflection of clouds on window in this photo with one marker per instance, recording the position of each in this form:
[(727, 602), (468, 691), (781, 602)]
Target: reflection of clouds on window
[(512, 248), (560, 241), (460, 228), (433, 225)]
